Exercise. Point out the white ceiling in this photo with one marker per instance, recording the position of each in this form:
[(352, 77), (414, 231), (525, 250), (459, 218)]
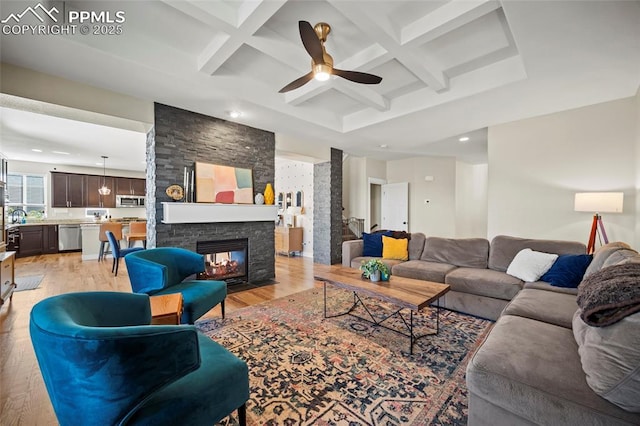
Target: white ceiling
[(449, 68)]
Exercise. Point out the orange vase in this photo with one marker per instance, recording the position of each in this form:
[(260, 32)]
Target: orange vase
[(269, 195)]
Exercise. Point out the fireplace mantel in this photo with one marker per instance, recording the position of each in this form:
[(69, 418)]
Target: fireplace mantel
[(176, 212)]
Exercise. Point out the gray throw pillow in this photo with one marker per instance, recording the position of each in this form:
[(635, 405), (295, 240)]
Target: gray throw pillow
[(610, 358)]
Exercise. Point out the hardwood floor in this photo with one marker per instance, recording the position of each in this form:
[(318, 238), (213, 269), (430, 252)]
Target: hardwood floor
[(23, 396)]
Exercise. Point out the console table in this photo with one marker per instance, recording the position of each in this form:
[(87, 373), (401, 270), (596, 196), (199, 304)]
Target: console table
[(288, 239), (7, 276)]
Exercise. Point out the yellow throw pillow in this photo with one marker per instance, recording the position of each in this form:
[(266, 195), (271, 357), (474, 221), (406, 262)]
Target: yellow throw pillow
[(393, 248)]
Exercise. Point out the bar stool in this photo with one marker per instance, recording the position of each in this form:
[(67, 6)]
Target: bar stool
[(116, 229), (138, 228)]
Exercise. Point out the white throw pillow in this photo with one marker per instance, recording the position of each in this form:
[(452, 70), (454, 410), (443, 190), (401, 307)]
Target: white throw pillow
[(529, 265)]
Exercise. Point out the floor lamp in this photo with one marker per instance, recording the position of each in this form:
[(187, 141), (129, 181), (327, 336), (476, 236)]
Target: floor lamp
[(596, 203)]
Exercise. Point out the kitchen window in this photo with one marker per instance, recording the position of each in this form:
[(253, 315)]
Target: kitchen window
[(26, 192)]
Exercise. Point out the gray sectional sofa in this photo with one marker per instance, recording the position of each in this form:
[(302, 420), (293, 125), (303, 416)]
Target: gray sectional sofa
[(475, 269), (542, 364)]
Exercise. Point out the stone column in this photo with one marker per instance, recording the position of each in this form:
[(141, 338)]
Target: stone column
[(327, 210)]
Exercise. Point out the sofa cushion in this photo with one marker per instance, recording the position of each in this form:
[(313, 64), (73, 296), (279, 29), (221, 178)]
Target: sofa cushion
[(465, 252), (602, 254), (529, 265), (393, 248), (547, 306), (422, 270), (621, 257), (542, 285), (484, 282), (532, 368), (567, 271), (610, 358), (356, 262), (503, 249), (416, 245), (372, 244)]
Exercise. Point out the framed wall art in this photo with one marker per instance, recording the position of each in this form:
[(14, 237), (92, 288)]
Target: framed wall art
[(223, 184)]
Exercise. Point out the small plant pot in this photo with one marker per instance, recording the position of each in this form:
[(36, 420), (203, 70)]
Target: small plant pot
[(384, 277), (374, 276)]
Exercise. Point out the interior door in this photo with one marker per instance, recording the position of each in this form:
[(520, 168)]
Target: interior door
[(395, 206)]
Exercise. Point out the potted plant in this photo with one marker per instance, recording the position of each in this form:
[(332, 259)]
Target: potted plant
[(373, 269)]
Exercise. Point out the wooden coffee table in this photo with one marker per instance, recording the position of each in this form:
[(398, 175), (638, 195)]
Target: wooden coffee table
[(166, 308), (406, 293)]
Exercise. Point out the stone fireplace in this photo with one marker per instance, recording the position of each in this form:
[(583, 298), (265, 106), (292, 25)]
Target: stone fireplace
[(179, 139), (225, 260)]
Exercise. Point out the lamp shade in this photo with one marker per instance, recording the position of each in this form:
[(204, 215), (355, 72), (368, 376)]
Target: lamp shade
[(599, 202)]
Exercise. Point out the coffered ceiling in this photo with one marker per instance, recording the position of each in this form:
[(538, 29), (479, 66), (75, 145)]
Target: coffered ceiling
[(449, 68)]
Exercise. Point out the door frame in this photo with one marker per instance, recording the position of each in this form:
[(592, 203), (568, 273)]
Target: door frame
[(370, 181)]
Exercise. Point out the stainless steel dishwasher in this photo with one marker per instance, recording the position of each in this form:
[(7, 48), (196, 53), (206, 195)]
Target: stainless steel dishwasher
[(69, 237)]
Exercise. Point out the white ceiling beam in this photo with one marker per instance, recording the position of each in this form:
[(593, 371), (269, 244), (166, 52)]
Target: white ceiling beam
[(446, 18), (366, 59), (285, 51), (306, 92), (201, 13), (362, 94), (377, 29), (251, 15)]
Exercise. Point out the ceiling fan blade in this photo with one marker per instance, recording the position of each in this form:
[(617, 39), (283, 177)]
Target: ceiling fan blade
[(297, 83), (358, 77), (311, 41)]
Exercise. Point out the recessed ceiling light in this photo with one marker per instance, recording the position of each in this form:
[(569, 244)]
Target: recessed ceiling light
[(36, 150), (234, 114), (60, 152), (384, 145), (464, 139), (98, 164)]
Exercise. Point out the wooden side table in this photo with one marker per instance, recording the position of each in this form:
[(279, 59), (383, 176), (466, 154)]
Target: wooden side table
[(288, 239), (166, 309)]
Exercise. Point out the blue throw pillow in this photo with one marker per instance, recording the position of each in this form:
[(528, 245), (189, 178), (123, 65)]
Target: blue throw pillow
[(372, 244), (568, 270)]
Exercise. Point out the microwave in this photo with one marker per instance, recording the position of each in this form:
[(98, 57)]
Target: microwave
[(129, 201)]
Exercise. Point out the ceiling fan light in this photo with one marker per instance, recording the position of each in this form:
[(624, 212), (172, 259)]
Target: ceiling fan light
[(321, 72)]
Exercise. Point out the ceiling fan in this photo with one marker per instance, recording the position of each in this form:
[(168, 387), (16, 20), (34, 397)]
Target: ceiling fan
[(313, 39)]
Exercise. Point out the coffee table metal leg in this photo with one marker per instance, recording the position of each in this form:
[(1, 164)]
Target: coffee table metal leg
[(324, 284), (411, 336)]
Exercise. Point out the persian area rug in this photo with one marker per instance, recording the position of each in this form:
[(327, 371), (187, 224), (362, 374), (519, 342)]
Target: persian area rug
[(307, 370), (28, 283)]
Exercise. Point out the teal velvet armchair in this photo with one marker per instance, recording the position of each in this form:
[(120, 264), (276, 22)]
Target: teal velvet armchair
[(103, 364), (163, 271)]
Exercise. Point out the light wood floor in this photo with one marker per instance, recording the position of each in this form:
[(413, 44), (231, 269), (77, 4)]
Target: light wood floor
[(23, 396)]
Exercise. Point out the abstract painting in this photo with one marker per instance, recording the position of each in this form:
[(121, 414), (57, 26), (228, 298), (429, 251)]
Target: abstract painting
[(223, 184)]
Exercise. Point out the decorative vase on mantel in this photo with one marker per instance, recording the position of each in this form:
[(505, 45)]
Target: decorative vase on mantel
[(269, 195)]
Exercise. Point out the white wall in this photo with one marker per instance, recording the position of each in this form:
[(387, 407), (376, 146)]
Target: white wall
[(354, 187), (293, 176), (537, 165), (73, 213), (438, 218), (26, 83), (471, 200), (637, 106)]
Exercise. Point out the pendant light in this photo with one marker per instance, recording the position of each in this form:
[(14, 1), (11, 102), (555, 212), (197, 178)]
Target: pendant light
[(104, 190)]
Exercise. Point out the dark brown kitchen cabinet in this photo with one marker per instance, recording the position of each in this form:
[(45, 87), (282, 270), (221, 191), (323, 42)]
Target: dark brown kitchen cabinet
[(93, 197), (49, 239), (68, 190), (130, 186), (30, 240)]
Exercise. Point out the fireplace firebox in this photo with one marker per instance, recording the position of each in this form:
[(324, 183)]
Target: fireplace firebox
[(225, 260)]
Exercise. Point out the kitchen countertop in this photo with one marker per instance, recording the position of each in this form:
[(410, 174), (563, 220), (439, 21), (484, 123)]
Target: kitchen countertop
[(72, 222)]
